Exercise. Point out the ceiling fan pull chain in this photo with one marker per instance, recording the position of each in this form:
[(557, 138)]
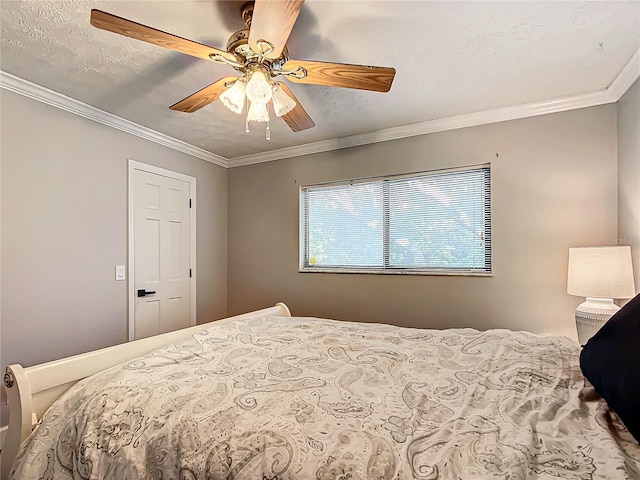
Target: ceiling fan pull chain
[(246, 123), (268, 132)]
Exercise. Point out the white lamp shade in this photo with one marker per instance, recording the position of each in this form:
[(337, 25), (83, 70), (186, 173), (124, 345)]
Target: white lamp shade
[(600, 272), (258, 89), (233, 97), (282, 103), (258, 113)]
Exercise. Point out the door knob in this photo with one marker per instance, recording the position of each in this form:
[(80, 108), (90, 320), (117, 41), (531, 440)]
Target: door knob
[(144, 293)]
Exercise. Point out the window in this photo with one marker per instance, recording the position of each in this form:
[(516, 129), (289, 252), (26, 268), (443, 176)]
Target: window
[(431, 222)]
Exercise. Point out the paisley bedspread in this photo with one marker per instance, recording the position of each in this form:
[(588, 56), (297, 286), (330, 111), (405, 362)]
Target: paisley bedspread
[(306, 398)]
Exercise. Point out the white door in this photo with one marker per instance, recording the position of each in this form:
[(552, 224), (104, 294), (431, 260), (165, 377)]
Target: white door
[(162, 271)]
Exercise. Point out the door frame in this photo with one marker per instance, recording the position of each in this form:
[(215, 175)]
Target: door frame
[(135, 165)]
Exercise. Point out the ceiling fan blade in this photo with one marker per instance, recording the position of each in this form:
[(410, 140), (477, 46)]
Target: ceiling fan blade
[(272, 21), (363, 77), (203, 97), (122, 26), (297, 119)]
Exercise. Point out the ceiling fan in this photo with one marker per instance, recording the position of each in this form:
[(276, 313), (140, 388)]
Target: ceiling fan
[(260, 55)]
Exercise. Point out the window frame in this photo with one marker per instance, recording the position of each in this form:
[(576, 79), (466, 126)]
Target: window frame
[(487, 271)]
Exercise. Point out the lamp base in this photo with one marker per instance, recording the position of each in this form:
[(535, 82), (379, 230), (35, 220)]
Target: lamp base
[(592, 315)]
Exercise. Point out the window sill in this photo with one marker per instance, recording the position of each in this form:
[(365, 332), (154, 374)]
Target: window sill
[(399, 271)]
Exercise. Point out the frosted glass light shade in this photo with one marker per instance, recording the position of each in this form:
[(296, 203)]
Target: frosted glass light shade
[(233, 97), (258, 89), (282, 103), (600, 272), (258, 113)]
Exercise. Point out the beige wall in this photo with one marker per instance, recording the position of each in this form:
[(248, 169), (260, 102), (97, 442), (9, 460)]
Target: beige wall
[(554, 186), (629, 174), (64, 228)]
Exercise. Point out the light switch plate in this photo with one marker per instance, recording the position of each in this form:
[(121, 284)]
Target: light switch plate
[(120, 272)]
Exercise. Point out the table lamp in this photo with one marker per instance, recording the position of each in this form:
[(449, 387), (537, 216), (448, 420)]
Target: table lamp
[(600, 274)]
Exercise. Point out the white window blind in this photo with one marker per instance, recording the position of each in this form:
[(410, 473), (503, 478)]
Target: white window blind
[(431, 222)]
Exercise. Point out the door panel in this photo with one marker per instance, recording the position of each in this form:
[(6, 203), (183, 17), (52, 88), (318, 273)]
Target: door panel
[(175, 306), (174, 199), (147, 318), (162, 253), (175, 270), (148, 258)]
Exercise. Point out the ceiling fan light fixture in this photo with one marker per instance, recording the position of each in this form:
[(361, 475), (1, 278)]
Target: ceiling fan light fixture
[(282, 103), (258, 89), (258, 112), (233, 97), (258, 61)]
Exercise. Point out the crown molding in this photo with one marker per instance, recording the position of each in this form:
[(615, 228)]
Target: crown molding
[(629, 74), (625, 79), (37, 92), (612, 94), (431, 126)]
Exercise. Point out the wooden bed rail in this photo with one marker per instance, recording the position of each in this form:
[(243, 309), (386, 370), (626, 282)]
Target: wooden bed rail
[(32, 390)]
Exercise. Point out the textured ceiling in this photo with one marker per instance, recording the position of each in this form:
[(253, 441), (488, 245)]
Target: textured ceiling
[(451, 58)]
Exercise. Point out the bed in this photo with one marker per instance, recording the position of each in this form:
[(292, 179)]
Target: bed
[(269, 396)]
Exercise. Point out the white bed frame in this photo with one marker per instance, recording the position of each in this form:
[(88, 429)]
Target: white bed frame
[(32, 390)]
